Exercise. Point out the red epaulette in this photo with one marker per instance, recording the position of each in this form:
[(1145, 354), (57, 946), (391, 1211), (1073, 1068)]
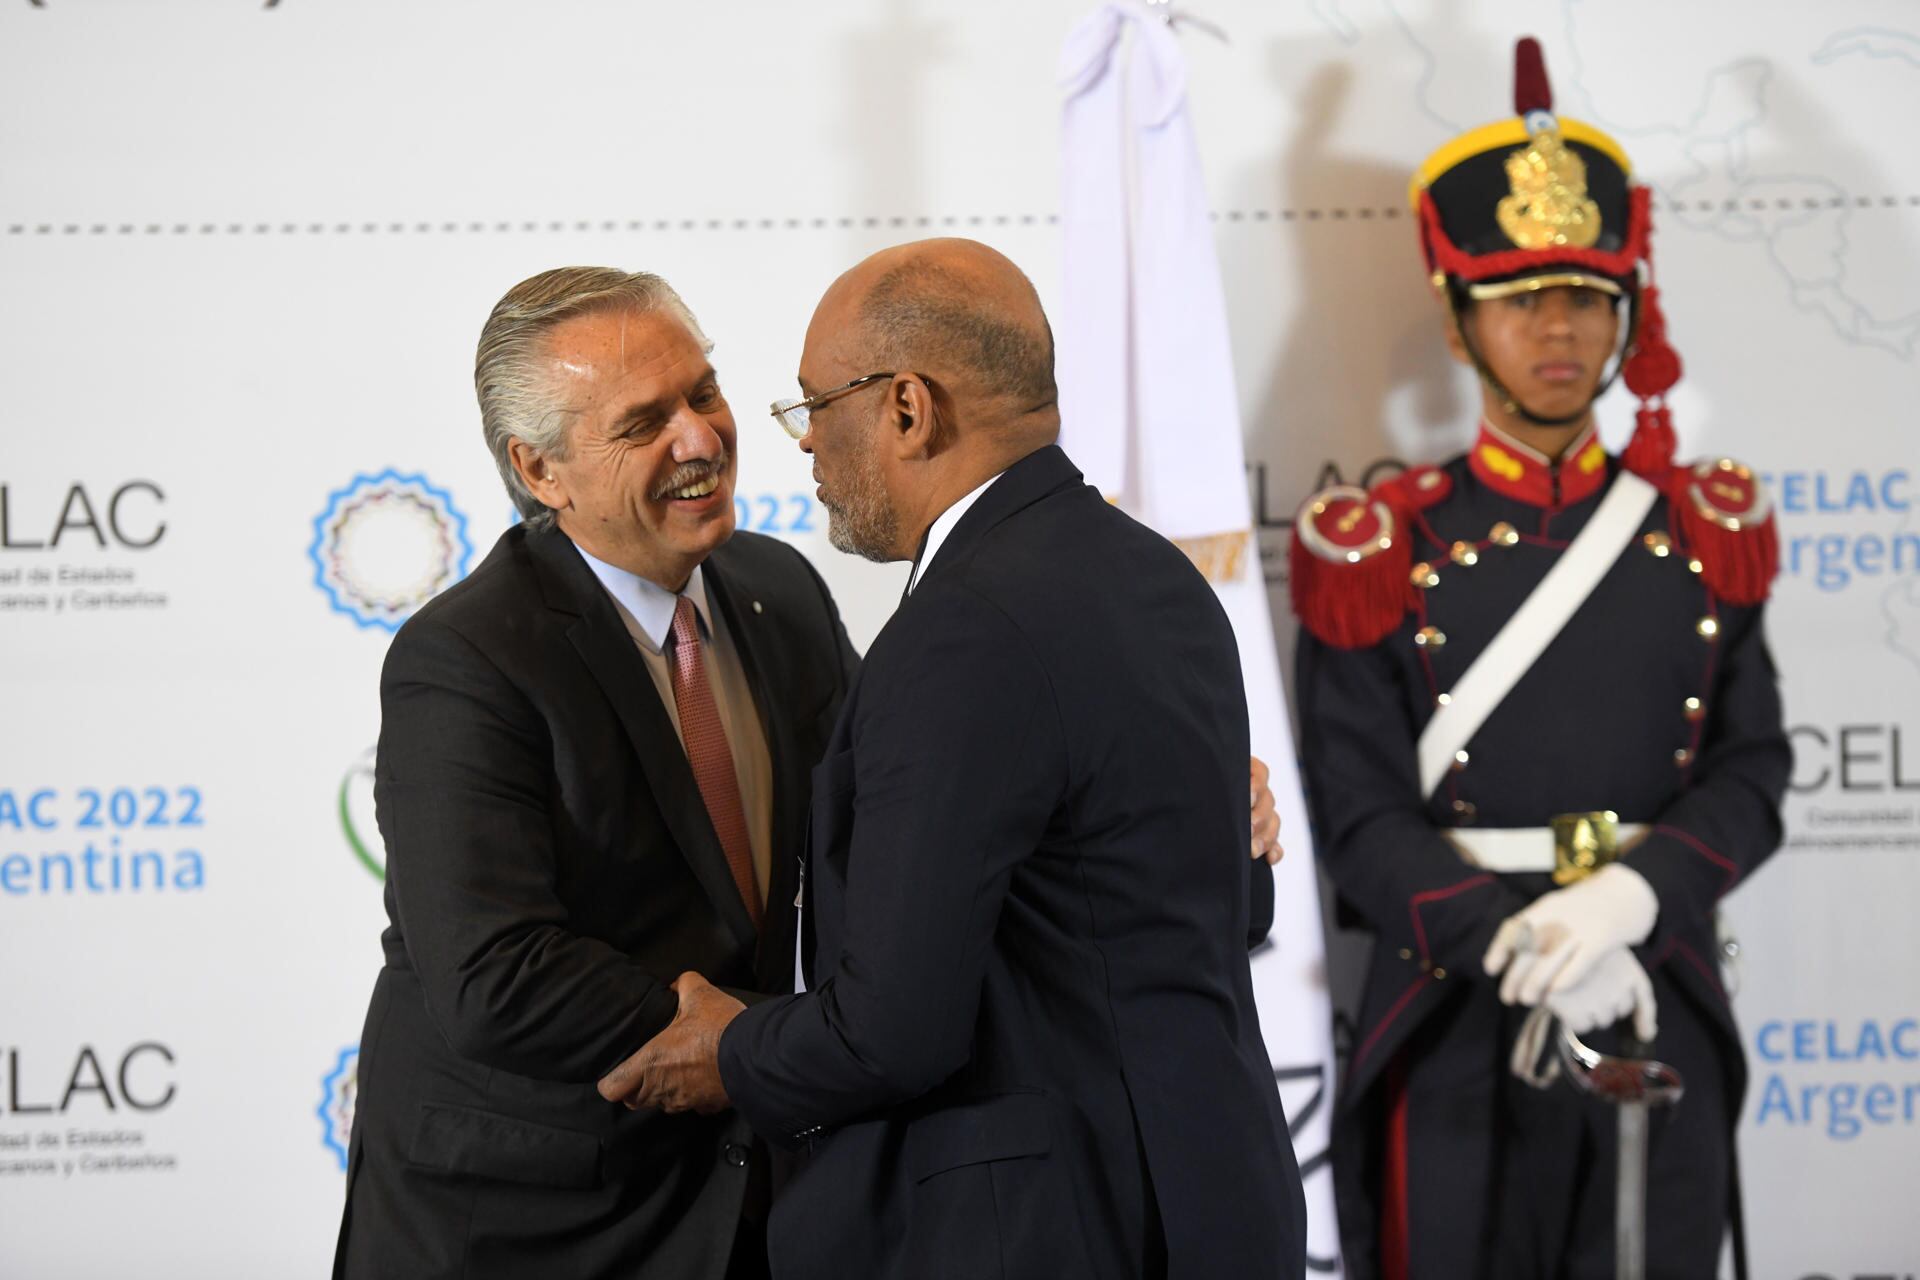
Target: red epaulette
[(1724, 519), (1351, 562)]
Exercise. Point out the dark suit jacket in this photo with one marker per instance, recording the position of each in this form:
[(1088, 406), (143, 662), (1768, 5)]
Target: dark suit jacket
[(550, 869), (1030, 1048)]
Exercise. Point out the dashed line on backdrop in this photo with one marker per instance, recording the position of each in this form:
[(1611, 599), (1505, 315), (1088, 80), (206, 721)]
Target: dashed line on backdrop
[(534, 226)]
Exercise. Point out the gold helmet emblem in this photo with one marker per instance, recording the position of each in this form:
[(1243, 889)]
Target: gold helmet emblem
[(1549, 207)]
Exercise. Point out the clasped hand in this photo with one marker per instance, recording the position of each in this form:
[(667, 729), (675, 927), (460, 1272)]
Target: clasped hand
[(1554, 943), (1570, 950), (679, 1069)]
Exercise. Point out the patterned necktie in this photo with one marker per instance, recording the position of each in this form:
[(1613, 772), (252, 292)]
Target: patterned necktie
[(707, 751)]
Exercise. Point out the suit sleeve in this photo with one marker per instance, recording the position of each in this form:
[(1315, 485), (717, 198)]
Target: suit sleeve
[(958, 764), (1259, 901), (1388, 859), (462, 775), (1727, 821)]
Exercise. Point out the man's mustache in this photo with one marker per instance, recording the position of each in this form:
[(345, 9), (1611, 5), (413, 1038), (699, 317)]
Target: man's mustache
[(691, 473)]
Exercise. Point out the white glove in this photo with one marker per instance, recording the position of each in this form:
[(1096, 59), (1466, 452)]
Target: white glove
[(1559, 938), (1616, 987)]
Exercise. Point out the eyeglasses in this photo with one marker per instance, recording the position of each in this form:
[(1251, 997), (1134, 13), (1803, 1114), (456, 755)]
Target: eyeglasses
[(793, 414)]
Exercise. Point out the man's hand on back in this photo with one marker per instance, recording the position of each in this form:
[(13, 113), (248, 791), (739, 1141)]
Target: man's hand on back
[(1266, 818)]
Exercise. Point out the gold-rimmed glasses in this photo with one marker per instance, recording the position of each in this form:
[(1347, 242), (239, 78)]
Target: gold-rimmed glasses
[(793, 414)]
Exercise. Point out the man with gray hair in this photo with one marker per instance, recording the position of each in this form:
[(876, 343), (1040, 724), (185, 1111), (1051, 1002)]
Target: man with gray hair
[(591, 777)]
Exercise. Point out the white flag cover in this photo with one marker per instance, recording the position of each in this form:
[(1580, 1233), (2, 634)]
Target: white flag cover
[(1150, 413)]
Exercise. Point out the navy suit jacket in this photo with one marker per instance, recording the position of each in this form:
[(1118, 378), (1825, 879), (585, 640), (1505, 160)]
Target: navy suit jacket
[(1030, 1046)]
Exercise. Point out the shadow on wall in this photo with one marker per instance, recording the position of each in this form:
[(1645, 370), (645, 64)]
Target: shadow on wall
[(1363, 355), (1353, 373), (885, 120), (1361, 372), (1358, 381)]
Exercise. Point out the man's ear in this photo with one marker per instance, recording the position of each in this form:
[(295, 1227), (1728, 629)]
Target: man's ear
[(913, 418), (540, 479)]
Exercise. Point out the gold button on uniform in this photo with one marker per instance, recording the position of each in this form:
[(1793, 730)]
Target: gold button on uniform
[(1695, 709), (1504, 535), (1708, 627), (1424, 576), (1464, 554), (1430, 637), (1658, 543)]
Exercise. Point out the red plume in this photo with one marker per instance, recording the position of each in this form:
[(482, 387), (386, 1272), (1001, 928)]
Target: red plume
[(1531, 92), (1650, 371), (1653, 366)]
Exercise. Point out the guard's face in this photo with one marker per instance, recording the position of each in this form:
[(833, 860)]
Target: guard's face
[(647, 482), (1550, 347)]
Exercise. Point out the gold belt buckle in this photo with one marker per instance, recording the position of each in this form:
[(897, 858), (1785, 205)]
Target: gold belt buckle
[(1583, 843)]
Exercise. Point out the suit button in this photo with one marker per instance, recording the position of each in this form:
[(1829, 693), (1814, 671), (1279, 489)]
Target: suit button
[(735, 1155)]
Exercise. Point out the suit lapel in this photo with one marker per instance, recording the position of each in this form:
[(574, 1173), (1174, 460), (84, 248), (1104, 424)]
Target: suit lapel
[(603, 644), (1041, 474), (755, 638)]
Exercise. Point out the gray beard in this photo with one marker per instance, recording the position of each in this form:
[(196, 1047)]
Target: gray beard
[(864, 523)]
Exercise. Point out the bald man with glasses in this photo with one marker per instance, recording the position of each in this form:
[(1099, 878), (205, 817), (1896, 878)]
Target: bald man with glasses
[(592, 776)]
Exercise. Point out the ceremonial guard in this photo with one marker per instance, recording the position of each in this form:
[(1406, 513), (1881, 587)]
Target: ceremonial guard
[(1542, 737)]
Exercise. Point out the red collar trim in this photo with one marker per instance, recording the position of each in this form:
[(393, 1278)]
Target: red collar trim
[(1506, 466)]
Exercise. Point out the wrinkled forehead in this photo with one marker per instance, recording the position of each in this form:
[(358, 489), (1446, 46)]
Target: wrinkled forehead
[(615, 367), (622, 337)]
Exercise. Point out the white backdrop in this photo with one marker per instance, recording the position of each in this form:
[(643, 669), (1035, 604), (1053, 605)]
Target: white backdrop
[(246, 249)]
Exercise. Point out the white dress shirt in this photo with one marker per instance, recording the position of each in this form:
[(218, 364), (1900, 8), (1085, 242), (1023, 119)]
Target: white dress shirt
[(647, 609)]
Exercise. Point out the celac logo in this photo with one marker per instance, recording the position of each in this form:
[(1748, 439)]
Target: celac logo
[(385, 545), (337, 1091), (356, 814)]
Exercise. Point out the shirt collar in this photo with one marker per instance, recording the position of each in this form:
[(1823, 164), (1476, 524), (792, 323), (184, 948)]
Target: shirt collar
[(1506, 466), (942, 526), (647, 607)]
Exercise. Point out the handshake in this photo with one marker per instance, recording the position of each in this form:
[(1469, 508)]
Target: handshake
[(679, 1069), (1569, 950)]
